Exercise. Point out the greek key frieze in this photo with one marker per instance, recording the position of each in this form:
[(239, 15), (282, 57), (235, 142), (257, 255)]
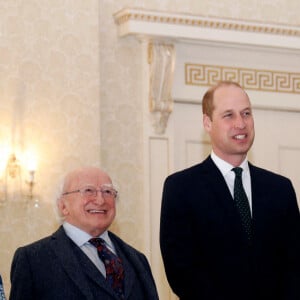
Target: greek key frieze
[(252, 79)]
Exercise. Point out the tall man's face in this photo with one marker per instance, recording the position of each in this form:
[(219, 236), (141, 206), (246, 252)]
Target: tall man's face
[(231, 127)]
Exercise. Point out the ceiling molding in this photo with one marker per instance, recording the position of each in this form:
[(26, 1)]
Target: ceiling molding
[(193, 28)]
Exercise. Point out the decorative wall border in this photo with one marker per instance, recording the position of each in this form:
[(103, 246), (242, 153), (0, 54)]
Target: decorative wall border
[(204, 22), (252, 79)]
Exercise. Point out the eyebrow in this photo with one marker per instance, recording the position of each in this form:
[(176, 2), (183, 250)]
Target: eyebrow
[(232, 109)]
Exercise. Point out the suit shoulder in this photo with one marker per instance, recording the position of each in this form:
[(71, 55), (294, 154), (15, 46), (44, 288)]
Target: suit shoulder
[(37, 243), (31, 251), (190, 171), (195, 172), (35, 246)]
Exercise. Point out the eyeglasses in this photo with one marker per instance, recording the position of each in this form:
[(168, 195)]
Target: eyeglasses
[(107, 192)]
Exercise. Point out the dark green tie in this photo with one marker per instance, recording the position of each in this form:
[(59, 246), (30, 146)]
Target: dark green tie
[(242, 202)]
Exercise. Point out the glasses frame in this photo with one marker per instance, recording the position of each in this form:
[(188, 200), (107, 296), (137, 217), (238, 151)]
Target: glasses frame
[(102, 189)]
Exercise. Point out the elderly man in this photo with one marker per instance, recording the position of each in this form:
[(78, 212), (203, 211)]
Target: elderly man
[(82, 259)]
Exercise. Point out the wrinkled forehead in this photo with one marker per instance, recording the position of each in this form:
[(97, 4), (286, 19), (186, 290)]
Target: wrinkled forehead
[(86, 176)]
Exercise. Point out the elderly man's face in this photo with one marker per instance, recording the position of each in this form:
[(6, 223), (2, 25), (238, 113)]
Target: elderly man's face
[(85, 210)]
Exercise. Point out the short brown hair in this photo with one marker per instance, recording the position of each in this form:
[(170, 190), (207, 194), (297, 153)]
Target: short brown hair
[(207, 100)]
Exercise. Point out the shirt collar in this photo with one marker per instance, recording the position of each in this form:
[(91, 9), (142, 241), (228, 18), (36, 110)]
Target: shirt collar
[(80, 237), (225, 167)]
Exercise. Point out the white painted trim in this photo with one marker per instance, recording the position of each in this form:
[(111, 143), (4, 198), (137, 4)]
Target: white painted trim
[(193, 28)]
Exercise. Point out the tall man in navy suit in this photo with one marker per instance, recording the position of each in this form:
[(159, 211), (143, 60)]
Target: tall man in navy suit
[(206, 251), (66, 265)]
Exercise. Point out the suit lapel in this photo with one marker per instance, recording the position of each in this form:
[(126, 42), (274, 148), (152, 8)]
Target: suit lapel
[(77, 265), (130, 276), (135, 269), (223, 198), (93, 273), (217, 185), (64, 248), (259, 199)]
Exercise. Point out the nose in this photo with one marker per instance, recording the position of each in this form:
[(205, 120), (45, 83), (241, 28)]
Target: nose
[(99, 197), (239, 123)]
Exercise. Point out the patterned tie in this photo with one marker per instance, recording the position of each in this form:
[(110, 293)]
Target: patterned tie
[(242, 202), (113, 266)]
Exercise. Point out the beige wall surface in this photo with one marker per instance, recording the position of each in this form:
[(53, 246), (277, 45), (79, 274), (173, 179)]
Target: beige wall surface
[(49, 101), (71, 89)]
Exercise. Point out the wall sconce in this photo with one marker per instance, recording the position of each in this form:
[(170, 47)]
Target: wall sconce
[(11, 181)]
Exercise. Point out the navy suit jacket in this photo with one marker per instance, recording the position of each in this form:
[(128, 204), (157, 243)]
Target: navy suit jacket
[(56, 268), (204, 248)]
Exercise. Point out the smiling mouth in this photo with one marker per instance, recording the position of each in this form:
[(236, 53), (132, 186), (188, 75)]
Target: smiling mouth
[(240, 137), (96, 211)]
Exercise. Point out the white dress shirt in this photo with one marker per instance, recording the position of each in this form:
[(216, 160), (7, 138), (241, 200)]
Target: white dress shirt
[(229, 176)]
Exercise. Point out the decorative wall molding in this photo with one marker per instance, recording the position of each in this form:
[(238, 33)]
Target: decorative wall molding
[(208, 22), (187, 27), (260, 56), (200, 21), (252, 79), (162, 62)]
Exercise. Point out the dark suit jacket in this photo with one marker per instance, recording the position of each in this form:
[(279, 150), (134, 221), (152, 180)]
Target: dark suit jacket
[(204, 249), (56, 268)]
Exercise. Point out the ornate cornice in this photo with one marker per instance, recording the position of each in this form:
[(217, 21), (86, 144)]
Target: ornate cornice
[(156, 25), (251, 79), (127, 15)]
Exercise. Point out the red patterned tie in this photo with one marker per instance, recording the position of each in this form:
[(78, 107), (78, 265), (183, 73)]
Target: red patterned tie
[(113, 266)]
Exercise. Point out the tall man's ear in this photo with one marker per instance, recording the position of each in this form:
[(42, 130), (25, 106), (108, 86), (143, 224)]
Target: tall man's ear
[(206, 123)]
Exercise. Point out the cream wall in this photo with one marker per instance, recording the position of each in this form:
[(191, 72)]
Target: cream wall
[(49, 100), (71, 89)]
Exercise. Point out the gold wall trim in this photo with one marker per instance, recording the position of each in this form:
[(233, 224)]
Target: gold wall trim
[(252, 79), (207, 22)]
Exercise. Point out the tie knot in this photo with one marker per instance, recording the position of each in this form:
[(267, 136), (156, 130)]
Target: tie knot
[(238, 171), (97, 242)]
